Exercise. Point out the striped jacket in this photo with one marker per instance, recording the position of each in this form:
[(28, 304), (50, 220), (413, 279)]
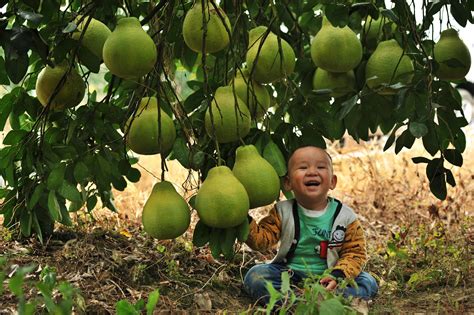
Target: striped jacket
[(346, 252)]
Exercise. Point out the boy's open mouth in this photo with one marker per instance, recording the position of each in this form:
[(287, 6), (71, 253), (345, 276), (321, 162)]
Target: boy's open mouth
[(312, 183)]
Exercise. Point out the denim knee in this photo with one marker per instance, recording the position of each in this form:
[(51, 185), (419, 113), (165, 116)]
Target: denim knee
[(367, 287), (256, 279)]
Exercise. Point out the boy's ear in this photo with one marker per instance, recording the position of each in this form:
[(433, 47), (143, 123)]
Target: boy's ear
[(286, 183), (333, 181)]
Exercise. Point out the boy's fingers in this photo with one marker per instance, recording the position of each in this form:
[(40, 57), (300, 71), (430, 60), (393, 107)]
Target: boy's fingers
[(328, 283), (331, 285)]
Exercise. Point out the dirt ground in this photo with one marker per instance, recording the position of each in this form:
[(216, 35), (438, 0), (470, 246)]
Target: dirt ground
[(110, 258)]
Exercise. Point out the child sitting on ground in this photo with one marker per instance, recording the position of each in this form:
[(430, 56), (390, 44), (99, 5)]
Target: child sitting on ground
[(316, 232)]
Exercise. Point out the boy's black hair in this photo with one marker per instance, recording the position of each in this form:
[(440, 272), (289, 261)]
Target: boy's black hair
[(290, 154)]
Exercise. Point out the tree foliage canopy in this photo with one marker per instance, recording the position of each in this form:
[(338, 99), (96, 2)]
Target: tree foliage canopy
[(57, 161)]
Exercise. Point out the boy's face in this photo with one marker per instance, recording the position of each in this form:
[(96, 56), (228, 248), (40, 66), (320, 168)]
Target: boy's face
[(310, 177)]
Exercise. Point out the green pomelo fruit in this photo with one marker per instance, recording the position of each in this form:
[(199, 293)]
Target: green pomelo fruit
[(452, 55), (265, 63), (259, 178), (373, 28), (222, 201), (253, 94), (377, 30), (385, 67), (217, 37), (59, 93), (336, 49), (143, 130), (94, 36), (166, 214), (230, 121), (129, 52), (340, 83)]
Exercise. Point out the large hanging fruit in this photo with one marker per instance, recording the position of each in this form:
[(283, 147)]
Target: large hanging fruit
[(388, 65), (166, 214), (229, 121), (222, 201), (265, 62), (259, 178), (336, 49), (252, 93), (94, 36), (452, 55), (216, 34), (340, 83), (129, 52), (60, 87), (150, 132)]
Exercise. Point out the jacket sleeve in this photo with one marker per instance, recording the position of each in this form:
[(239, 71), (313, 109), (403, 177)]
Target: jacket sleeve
[(266, 233), (353, 254)]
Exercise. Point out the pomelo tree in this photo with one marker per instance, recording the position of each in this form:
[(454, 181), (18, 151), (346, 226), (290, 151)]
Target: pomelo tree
[(58, 159)]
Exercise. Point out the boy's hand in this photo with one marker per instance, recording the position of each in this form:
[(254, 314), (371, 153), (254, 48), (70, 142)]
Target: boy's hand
[(329, 283)]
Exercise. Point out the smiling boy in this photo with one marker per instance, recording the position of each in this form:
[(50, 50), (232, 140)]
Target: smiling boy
[(316, 232)]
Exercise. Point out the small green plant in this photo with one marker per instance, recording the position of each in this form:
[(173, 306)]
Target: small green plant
[(40, 294), (311, 298), (124, 307)]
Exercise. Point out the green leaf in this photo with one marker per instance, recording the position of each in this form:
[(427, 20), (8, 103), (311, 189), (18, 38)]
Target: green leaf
[(459, 13), (337, 14), (133, 175), (420, 159), (53, 206), (6, 104), (201, 234), (32, 17), (91, 202), (194, 100), (438, 186), (453, 157), (418, 129), (215, 242), (450, 178), (14, 136), (227, 242), (406, 139), (35, 197), (274, 156), (90, 60), (70, 192), (181, 152), (123, 307), (460, 141), (26, 220), (3, 73), (347, 106), (434, 168), (331, 306), (15, 284), (430, 140), (81, 172), (16, 64), (285, 282), (56, 177), (65, 217), (243, 231), (152, 301)]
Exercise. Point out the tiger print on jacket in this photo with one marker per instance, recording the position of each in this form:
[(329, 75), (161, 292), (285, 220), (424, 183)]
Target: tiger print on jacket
[(346, 257)]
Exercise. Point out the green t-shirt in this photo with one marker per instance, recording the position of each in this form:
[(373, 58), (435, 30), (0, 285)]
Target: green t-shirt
[(315, 226)]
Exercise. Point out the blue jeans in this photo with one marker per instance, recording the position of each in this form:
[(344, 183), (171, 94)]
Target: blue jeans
[(256, 278)]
